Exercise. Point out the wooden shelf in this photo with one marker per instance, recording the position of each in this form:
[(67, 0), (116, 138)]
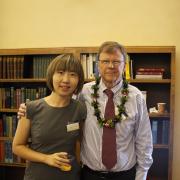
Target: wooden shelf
[(161, 146), (6, 138), (24, 80), (6, 110), (35, 51), (161, 81), (157, 115), (11, 139), (150, 49), (13, 164), (94, 49), (157, 178)]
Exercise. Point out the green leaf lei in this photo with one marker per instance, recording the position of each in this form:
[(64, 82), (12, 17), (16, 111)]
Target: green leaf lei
[(121, 108)]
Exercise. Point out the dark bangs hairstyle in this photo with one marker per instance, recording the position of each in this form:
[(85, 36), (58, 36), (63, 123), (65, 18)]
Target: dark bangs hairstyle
[(65, 62)]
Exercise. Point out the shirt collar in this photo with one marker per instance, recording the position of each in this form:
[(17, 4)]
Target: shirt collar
[(115, 89)]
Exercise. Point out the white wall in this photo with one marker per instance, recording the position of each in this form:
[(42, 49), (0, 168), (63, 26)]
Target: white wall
[(61, 23)]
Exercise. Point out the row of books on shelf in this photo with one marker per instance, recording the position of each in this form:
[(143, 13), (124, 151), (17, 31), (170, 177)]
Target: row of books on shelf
[(12, 97), (11, 67), (40, 64), (8, 125), (149, 73), (89, 64), (160, 131), (142, 72), (6, 154)]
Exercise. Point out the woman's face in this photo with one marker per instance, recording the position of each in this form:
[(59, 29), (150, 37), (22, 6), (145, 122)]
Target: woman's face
[(65, 82)]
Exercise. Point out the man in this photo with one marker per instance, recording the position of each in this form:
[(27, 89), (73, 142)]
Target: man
[(132, 134), (117, 139)]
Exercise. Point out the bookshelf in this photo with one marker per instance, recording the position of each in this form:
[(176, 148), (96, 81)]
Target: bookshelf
[(158, 90)]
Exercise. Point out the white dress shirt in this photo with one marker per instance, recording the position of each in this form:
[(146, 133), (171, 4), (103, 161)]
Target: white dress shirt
[(133, 135)]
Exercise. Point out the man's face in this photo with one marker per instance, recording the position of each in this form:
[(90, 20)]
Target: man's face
[(111, 67)]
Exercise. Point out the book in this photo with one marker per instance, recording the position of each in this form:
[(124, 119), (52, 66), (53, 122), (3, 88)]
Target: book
[(1, 151), (21, 70), (90, 66), (1, 127), (131, 69), (149, 76), (151, 69), (149, 72), (154, 128), (84, 65), (4, 66), (127, 68), (165, 132), (15, 67), (95, 65)]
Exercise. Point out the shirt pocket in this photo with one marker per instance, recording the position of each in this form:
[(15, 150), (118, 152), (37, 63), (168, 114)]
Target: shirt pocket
[(126, 127)]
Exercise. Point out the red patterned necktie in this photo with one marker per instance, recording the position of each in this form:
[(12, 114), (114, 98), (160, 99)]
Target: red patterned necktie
[(109, 155)]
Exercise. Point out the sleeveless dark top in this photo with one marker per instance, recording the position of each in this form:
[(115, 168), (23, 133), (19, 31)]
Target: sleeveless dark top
[(49, 135)]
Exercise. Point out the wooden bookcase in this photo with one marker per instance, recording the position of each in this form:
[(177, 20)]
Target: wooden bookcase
[(158, 90)]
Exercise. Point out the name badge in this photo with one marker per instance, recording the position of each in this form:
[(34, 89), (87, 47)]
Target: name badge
[(72, 127)]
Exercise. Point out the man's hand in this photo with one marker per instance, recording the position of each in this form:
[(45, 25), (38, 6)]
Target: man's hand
[(22, 110)]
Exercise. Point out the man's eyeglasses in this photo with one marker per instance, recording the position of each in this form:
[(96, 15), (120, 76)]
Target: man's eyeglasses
[(107, 62)]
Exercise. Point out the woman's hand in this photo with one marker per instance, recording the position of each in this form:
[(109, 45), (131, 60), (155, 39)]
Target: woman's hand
[(57, 159)]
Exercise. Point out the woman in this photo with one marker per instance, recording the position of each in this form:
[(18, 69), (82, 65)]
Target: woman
[(52, 123)]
